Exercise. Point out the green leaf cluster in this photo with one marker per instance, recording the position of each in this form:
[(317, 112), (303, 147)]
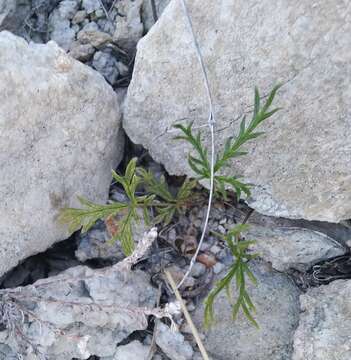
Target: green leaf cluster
[(165, 204), (238, 272), (199, 162), (169, 204), (159, 198)]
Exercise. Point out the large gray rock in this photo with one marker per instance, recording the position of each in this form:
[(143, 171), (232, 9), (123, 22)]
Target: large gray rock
[(60, 137), (295, 248), (79, 313), (301, 167), (325, 325), (277, 301)]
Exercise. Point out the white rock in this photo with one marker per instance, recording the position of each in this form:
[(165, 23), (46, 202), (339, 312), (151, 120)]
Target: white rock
[(91, 5), (13, 13), (133, 350), (60, 30), (301, 167), (296, 248), (173, 343), (277, 302), (79, 313), (325, 323), (60, 137), (129, 28), (107, 65), (68, 8)]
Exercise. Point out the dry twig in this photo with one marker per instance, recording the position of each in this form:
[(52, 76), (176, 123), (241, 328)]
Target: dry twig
[(187, 317)]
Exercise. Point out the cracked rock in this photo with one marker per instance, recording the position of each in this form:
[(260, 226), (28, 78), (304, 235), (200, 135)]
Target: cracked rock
[(277, 302), (173, 343), (79, 313), (301, 166), (325, 326)]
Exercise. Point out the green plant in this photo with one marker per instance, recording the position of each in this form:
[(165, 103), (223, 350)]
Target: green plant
[(166, 204), (239, 271), (200, 163), (91, 212), (170, 204)]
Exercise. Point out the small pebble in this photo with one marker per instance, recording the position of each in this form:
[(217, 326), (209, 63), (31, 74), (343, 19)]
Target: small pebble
[(79, 17), (190, 306), (205, 246), (215, 249), (198, 223), (218, 268), (198, 270), (172, 235), (222, 229), (223, 221)]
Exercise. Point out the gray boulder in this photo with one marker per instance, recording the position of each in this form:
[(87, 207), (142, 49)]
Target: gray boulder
[(60, 137), (79, 313), (325, 325), (277, 302), (301, 166)]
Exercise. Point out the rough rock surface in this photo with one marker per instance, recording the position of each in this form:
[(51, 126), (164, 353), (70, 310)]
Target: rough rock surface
[(277, 301), (148, 15), (296, 248), (13, 13), (129, 27), (173, 343), (79, 313), (133, 350), (60, 137), (325, 326), (301, 166)]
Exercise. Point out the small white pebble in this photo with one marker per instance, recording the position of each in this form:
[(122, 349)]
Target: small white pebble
[(215, 249), (221, 229), (218, 268)]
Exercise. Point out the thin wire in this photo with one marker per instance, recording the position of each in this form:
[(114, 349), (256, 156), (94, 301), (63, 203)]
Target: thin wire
[(211, 123)]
